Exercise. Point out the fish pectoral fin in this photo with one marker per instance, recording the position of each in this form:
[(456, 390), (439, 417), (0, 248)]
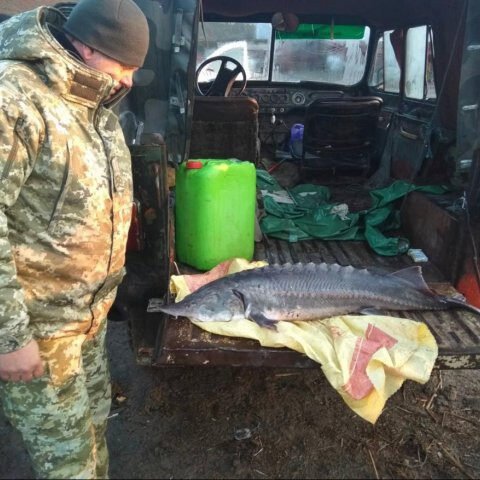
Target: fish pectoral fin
[(260, 319), (253, 313)]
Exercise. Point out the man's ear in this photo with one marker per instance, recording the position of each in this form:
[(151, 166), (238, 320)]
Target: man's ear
[(85, 51)]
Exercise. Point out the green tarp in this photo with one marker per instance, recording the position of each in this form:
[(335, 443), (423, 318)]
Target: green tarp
[(304, 212)]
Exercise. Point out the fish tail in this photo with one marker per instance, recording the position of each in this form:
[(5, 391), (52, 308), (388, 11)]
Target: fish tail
[(456, 302)]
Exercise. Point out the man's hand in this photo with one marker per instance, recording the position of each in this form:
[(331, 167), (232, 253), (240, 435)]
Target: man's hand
[(21, 365)]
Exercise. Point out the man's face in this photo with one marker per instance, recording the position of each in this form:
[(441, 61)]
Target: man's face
[(121, 74)]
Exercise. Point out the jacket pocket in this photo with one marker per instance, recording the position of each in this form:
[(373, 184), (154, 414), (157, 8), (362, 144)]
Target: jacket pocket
[(62, 192), (63, 357), (13, 151)]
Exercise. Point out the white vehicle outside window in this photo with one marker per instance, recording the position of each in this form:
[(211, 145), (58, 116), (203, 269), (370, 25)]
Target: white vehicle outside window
[(221, 38)]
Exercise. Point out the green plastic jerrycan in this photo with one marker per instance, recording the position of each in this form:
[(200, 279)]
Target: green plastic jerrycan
[(214, 211)]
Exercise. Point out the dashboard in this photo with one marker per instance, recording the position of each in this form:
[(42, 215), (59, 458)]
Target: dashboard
[(282, 100), (282, 107)]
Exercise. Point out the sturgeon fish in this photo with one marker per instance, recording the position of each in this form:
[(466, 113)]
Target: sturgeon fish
[(310, 291)]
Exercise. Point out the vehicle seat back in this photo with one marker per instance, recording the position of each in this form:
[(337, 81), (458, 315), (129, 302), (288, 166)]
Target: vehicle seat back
[(340, 132), (225, 127)]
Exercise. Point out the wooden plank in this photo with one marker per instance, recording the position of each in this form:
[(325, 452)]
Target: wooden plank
[(456, 331)]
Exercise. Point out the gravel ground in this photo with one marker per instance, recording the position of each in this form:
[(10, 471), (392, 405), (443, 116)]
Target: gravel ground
[(212, 422)]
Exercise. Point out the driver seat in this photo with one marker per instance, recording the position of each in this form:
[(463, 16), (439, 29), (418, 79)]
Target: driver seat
[(225, 127)]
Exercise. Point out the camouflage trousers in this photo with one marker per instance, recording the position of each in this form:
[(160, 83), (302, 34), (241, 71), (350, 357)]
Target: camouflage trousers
[(62, 416)]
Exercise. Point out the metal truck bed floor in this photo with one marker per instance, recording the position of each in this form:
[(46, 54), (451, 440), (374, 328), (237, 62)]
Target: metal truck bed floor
[(457, 331)]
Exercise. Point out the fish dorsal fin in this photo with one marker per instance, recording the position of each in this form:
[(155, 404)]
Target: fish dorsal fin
[(413, 276)]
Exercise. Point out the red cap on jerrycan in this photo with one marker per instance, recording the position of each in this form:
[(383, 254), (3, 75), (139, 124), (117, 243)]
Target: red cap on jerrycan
[(193, 164)]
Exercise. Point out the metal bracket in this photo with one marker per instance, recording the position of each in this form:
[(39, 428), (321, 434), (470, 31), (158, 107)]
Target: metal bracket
[(178, 40)]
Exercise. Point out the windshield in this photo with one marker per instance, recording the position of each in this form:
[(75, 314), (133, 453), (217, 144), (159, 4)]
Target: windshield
[(317, 53)]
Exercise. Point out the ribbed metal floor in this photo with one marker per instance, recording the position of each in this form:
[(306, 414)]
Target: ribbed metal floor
[(457, 331)]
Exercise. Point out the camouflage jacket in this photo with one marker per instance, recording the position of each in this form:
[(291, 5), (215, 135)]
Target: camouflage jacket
[(65, 187)]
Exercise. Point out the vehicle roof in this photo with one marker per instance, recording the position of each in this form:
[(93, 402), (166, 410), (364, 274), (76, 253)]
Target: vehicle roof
[(393, 13), (445, 16), (375, 12)]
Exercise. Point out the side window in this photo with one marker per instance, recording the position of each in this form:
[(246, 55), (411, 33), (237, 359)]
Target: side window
[(221, 38), (385, 74), (429, 77), (419, 78)]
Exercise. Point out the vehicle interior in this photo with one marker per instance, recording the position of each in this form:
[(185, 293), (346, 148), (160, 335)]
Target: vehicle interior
[(351, 96)]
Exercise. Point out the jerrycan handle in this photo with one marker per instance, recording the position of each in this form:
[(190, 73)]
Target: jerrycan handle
[(193, 164)]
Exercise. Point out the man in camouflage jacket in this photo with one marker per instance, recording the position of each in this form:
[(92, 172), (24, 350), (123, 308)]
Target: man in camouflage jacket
[(65, 206)]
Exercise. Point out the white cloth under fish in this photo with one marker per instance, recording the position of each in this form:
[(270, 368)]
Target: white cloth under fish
[(366, 358)]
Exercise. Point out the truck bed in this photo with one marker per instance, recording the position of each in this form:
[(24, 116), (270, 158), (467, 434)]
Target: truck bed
[(457, 332), (161, 340)]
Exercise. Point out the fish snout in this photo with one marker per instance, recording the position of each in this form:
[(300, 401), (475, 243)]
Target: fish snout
[(171, 309)]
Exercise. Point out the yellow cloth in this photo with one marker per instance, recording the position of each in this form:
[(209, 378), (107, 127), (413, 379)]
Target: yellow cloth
[(366, 358)]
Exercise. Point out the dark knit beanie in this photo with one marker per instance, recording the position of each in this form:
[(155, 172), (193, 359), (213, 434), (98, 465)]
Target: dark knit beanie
[(116, 28)]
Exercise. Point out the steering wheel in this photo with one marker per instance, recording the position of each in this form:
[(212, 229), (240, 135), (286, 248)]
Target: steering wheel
[(222, 84)]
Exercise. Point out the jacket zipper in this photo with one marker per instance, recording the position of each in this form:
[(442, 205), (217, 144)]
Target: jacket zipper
[(112, 189)]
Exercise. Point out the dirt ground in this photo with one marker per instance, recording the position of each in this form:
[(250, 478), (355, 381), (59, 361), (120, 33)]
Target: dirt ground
[(207, 422)]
